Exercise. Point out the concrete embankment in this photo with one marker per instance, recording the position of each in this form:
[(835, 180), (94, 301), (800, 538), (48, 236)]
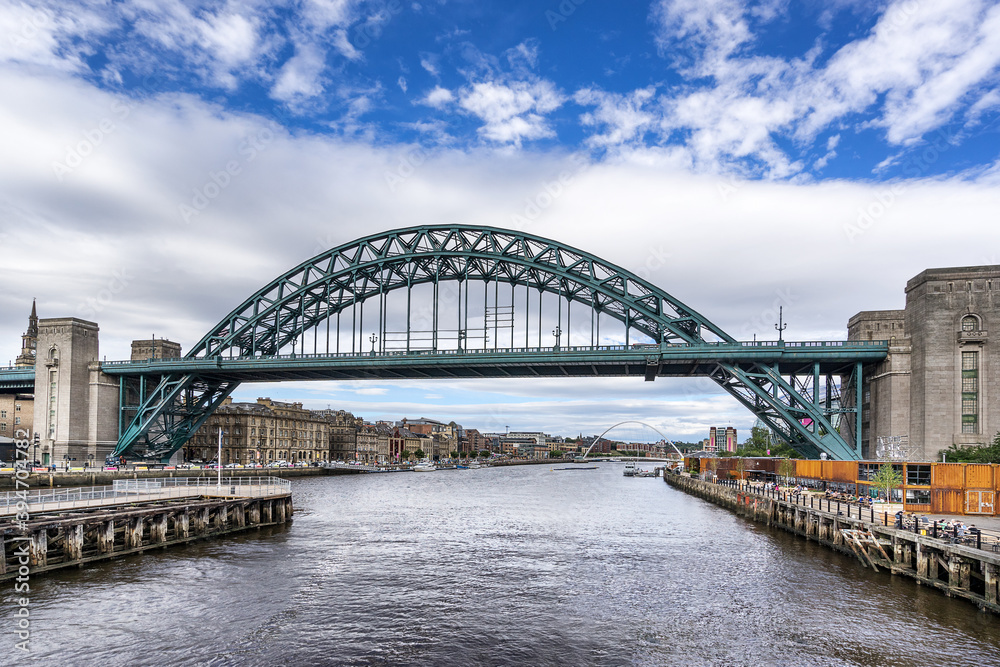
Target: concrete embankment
[(954, 569)]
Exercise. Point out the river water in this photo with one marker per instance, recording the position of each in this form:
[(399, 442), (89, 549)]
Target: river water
[(523, 565)]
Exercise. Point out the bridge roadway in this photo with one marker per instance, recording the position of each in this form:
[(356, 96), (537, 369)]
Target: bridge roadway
[(649, 361)]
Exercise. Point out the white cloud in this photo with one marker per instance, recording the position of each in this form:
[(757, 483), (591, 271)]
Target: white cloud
[(624, 116), (301, 77), (914, 70), (438, 98), (512, 112)]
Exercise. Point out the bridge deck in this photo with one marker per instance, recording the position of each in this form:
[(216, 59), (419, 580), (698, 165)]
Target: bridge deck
[(608, 360)]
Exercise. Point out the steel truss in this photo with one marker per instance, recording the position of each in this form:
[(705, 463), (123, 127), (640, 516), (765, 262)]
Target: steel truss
[(341, 280)]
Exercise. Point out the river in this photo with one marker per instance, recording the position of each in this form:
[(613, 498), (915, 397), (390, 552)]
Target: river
[(522, 565)]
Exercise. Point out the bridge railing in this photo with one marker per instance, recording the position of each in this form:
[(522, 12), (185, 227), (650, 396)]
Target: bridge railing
[(138, 490), (634, 347)]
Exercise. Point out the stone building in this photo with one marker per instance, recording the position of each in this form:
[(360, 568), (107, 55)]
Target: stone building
[(940, 385), (261, 432), (16, 417), (344, 428), (77, 404)]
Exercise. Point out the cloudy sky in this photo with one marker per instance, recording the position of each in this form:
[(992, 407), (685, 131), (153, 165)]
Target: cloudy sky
[(163, 160)]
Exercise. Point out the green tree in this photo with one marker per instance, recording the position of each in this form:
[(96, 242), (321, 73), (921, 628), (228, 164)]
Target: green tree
[(887, 479), (484, 453), (556, 454), (454, 455), (419, 454), (404, 455), (985, 454), (786, 469)]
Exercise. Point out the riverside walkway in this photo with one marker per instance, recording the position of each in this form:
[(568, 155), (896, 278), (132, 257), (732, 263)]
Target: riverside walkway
[(48, 530), (131, 491)]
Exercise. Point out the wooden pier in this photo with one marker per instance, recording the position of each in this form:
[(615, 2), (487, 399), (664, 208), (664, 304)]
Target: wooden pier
[(954, 569), (53, 539)]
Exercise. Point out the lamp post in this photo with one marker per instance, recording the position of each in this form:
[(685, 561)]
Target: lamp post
[(461, 338), (780, 326), (373, 338), (557, 332)]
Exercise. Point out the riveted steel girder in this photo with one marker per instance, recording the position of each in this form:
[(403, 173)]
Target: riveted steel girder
[(341, 278)]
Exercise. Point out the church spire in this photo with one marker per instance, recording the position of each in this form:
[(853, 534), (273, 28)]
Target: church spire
[(29, 341)]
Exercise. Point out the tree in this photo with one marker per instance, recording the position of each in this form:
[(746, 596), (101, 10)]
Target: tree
[(419, 454), (454, 455), (887, 479), (485, 453), (786, 469), (556, 454), (741, 467), (710, 466), (404, 455), (983, 454)]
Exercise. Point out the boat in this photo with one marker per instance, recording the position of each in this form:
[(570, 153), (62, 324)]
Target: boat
[(424, 467), (630, 470), (462, 467)]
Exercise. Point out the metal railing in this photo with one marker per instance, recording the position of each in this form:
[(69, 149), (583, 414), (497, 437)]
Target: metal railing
[(978, 538), (139, 490), (634, 347)]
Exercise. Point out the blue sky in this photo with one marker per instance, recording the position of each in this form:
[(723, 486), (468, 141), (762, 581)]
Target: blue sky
[(744, 156)]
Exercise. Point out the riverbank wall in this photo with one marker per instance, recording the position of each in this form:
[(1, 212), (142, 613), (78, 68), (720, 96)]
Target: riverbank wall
[(954, 569)]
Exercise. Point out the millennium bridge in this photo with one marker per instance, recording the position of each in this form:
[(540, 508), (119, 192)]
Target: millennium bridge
[(456, 301)]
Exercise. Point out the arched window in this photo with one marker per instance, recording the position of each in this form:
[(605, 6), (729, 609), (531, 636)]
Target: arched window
[(970, 323), (53, 353)]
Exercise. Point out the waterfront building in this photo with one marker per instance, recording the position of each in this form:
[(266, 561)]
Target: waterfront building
[(721, 439), (261, 432), (940, 385), (17, 418), (344, 428)]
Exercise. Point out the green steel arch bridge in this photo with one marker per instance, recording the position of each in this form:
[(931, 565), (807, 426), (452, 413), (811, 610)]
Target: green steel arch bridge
[(455, 301)]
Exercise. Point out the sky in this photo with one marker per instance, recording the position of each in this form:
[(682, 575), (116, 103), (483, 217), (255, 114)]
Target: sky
[(163, 160)]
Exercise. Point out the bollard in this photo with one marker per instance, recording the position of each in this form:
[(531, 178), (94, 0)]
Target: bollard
[(979, 538), (873, 514), (885, 518), (934, 530)]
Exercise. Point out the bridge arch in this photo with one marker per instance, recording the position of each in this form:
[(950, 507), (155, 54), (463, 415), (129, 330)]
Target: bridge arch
[(632, 421), (343, 279), (349, 275)]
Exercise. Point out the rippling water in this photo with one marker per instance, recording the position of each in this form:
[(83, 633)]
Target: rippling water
[(503, 566)]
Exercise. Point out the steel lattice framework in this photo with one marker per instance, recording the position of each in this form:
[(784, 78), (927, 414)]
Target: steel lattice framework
[(175, 397)]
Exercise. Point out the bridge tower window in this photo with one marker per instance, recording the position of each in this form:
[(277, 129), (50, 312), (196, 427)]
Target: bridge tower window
[(970, 392), (970, 323)]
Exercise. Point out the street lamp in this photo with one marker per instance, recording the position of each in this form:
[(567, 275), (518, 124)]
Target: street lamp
[(780, 326), (557, 332), (461, 337), (373, 338)]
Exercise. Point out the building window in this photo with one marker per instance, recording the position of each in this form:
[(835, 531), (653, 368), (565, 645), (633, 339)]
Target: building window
[(918, 475), (3, 426), (918, 497), (17, 421), (970, 323), (17, 407), (970, 392), (3, 414)]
